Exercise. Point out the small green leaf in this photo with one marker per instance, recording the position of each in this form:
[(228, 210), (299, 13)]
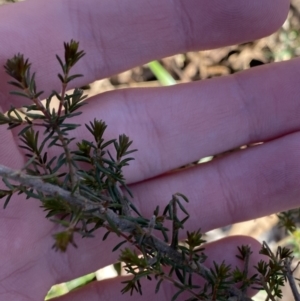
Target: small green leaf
[(177, 294), (119, 245), (70, 78), (181, 207), (60, 62), (179, 276), (158, 285), (7, 200), (106, 235), (19, 93)]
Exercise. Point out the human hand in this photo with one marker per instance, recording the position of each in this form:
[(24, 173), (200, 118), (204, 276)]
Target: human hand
[(169, 126)]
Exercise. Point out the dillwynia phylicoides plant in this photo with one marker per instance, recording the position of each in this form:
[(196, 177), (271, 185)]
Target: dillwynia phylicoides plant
[(81, 200)]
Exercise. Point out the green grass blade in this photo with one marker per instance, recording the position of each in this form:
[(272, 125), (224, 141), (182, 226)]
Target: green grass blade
[(163, 76)]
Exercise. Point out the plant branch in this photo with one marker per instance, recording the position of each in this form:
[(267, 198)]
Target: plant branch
[(291, 280), (123, 225), (62, 98), (72, 171)]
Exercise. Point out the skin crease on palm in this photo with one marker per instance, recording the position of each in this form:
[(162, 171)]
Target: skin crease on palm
[(169, 126)]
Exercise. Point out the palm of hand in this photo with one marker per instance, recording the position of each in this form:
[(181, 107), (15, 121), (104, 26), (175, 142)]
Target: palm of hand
[(199, 115)]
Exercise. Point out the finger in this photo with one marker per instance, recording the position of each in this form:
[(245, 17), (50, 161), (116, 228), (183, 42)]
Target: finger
[(174, 126), (29, 266), (10, 154), (244, 185), (225, 249), (118, 35), (25, 241)]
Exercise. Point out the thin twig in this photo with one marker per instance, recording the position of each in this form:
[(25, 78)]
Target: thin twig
[(291, 280)]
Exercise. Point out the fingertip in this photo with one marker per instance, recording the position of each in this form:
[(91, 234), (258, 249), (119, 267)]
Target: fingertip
[(275, 15), (220, 23)]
